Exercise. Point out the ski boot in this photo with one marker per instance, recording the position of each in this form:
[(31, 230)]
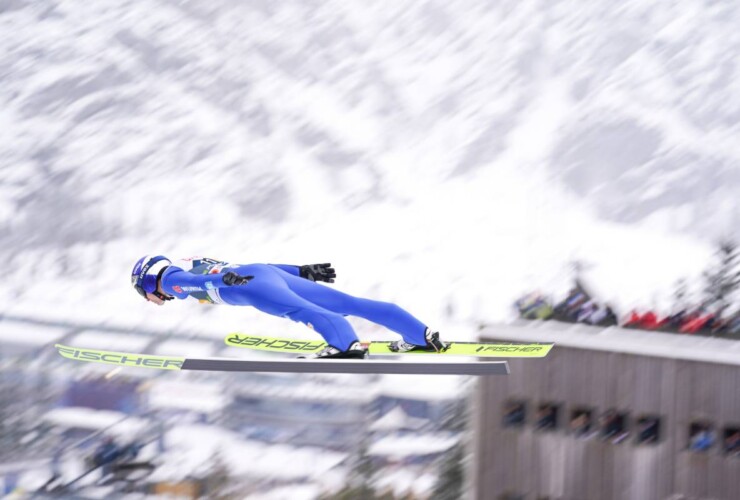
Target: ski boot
[(433, 344), (354, 351)]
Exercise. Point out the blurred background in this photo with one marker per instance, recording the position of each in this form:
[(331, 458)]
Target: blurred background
[(559, 171)]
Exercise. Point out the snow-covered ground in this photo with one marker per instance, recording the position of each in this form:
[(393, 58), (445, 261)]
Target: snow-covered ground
[(448, 157)]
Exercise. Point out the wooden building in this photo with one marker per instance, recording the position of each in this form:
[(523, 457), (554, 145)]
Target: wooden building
[(609, 414)]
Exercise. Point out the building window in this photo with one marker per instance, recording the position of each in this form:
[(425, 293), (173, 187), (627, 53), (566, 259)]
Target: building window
[(613, 426), (701, 436), (515, 413), (731, 441), (581, 422), (648, 429), (547, 417)]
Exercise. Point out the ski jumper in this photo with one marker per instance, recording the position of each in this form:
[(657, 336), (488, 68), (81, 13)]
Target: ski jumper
[(279, 290)]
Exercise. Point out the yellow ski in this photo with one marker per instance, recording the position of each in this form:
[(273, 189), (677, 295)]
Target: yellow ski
[(484, 349)]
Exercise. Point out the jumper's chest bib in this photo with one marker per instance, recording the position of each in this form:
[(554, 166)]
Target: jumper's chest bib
[(203, 265)]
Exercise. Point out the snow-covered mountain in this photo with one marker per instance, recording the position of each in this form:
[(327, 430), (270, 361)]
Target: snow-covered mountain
[(447, 156)]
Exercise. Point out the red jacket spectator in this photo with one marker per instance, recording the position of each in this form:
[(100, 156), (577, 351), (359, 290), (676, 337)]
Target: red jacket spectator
[(647, 321), (697, 324), (650, 321), (633, 321)]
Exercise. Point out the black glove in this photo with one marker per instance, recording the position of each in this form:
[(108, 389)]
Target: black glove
[(318, 272), (231, 279)]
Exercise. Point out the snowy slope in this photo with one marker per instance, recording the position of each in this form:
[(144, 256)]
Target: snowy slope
[(444, 156)]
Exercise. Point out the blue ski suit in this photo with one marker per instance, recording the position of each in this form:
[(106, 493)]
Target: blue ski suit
[(279, 290)]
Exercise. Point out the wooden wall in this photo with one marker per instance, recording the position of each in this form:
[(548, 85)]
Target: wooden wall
[(557, 465)]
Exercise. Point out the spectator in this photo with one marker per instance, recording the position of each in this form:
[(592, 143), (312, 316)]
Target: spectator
[(702, 440), (633, 321), (700, 323), (732, 443), (647, 321), (650, 321), (648, 430), (733, 324), (586, 311), (580, 424), (534, 306), (720, 325), (565, 310), (573, 306), (547, 417), (609, 317), (613, 426), (514, 414), (673, 322)]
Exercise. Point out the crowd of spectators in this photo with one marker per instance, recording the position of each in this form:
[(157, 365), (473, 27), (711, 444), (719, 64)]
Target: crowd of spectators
[(692, 321), (578, 306)]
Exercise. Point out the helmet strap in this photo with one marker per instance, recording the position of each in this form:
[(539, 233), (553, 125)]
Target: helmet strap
[(157, 293)]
